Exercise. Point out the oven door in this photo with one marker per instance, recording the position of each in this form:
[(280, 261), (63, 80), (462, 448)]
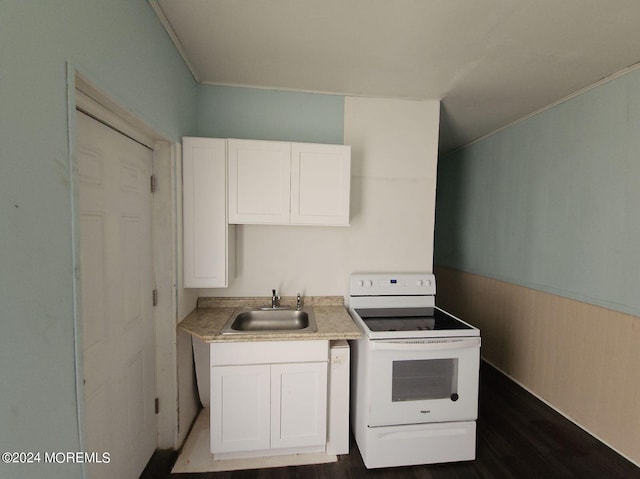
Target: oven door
[(424, 380)]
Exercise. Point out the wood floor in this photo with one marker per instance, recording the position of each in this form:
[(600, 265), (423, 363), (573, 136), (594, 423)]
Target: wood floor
[(518, 437)]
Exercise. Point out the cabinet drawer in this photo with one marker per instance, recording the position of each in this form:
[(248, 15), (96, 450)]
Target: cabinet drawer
[(268, 352)]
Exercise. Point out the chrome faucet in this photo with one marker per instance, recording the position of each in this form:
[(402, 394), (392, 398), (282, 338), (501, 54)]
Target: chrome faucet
[(275, 299), (298, 302)]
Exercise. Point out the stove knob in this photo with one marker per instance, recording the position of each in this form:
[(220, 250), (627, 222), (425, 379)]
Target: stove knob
[(419, 283), (368, 283), (360, 283)]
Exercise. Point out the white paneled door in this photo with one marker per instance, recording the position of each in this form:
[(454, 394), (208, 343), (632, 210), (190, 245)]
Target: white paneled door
[(116, 282)]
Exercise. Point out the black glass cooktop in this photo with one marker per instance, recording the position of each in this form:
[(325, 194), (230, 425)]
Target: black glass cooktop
[(409, 319)]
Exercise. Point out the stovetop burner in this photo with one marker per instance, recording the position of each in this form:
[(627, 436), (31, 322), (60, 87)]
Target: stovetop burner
[(409, 319)]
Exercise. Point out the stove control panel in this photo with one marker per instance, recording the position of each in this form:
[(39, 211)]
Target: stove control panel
[(390, 284)]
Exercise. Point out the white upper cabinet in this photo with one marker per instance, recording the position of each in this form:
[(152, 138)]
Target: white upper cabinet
[(259, 176), (320, 184), (206, 232), (273, 182)]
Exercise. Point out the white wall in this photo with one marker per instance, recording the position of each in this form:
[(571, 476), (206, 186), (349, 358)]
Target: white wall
[(393, 179)]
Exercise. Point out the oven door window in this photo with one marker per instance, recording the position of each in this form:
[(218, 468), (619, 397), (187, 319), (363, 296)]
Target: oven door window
[(418, 380)]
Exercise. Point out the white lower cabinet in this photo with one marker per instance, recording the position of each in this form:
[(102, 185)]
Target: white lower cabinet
[(298, 405), (268, 409), (240, 408)]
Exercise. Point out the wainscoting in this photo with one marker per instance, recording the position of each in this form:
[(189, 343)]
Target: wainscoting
[(581, 359)]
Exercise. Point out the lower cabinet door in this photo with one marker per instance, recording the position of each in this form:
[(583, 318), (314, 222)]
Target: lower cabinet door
[(298, 405), (240, 411)]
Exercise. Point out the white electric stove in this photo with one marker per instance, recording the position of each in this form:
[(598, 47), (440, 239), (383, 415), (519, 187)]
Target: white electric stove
[(414, 373)]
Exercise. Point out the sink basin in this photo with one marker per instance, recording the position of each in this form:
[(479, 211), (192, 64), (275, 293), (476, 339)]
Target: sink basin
[(247, 321)]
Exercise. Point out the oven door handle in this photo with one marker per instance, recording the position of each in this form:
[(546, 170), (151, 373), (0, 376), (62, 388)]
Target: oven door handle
[(431, 345)]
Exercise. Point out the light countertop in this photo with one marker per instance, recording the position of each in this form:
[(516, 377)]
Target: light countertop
[(208, 319)]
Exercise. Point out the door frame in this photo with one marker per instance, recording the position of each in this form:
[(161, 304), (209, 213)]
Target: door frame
[(84, 95)]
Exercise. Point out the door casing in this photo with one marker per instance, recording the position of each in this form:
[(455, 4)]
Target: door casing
[(84, 94)]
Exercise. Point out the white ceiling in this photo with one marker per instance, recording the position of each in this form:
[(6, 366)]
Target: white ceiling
[(491, 62)]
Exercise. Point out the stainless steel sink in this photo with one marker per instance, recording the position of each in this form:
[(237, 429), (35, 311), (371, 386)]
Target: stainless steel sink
[(264, 321)]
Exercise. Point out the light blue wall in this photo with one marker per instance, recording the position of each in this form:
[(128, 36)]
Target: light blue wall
[(121, 47), (553, 202), (232, 112)]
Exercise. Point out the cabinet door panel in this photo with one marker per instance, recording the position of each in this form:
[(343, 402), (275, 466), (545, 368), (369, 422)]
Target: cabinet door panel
[(206, 232), (320, 184), (259, 175), (240, 412), (299, 405)]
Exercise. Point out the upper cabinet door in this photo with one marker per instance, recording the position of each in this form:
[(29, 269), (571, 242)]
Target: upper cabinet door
[(205, 229), (320, 184), (259, 175)]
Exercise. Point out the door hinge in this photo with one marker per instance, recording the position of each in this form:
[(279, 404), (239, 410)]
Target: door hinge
[(157, 405), (155, 297), (153, 183)]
